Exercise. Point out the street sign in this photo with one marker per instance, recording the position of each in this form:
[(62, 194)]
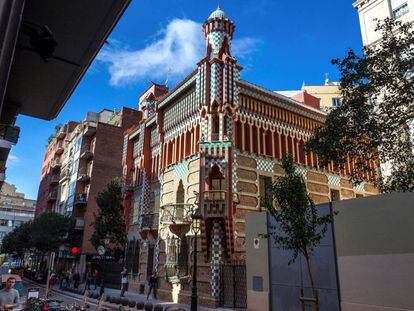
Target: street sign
[(33, 292), (101, 250)]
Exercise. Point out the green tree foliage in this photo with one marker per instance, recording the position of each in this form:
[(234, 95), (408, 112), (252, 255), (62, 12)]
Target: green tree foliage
[(109, 222), (376, 112), (300, 228), (45, 233)]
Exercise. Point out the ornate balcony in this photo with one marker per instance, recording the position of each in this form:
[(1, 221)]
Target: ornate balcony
[(81, 198), (84, 174), (149, 221), (176, 214), (215, 204), (65, 173), (215, 195)]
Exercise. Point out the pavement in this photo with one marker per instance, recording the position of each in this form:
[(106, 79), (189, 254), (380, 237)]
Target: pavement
[(70, 297)]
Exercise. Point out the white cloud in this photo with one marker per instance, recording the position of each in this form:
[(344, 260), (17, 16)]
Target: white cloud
[(176, 52), (12, 160)]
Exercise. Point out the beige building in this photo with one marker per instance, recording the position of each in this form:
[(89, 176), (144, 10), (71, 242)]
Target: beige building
[(15, 209), (370, 10), (329, 94)]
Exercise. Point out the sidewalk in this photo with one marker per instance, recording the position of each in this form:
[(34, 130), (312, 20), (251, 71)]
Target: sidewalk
[(131, 296)]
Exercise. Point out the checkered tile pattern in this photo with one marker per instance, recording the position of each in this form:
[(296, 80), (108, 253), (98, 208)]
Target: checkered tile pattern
[(216, 39), (333, 180), (360, 187), (264, 164), (216, 256), (182, 108), (229, 126), (234, 172), (302, 171), (157, 254)]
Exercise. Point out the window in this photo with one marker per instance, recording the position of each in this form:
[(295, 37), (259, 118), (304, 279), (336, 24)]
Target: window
[(335, 195), (4, 222), (400, 11), (265, 188), (336, 102)]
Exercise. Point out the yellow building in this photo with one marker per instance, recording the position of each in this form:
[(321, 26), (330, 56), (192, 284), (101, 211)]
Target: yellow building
[(329, 94)]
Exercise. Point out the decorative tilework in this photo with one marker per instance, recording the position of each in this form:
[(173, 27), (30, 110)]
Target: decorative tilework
[(157, 254), (302, 171), (333, 180), (360, 187), (264, 164), (234, 172), (216, 256)]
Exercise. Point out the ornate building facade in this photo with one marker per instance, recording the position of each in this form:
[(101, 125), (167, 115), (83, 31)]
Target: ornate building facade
[(213, 142)]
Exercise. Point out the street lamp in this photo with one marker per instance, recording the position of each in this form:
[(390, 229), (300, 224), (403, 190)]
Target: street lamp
[(196, 218)]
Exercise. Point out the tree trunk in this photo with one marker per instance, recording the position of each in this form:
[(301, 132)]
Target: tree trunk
[(305, 253)]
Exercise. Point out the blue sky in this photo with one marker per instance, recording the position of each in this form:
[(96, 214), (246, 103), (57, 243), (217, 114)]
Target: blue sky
[(279, 43)]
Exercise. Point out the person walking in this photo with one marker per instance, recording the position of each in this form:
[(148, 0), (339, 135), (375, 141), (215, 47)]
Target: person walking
[(76, 279), (124, 281), (9, 297), (88, 280), (152, 284), (95, 278)]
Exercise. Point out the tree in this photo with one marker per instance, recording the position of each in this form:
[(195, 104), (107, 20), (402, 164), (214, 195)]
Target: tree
[(377, 111), (18, 241), (300, 227), (51, 230), (109, 222)]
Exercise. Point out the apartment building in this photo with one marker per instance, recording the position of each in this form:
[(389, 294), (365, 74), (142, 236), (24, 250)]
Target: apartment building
[(90, 157), (15, 209), (212, 144), (47, 197)]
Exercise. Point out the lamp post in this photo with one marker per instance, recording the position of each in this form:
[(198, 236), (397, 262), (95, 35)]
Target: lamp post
[(196, 218)]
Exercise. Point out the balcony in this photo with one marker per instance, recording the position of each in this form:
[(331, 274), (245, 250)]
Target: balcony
[(56, 164), (52, 196), (80, 224), (215, 204), (86, 153), (215, 195), (59, 148), (61, 134), (65, 174), (9, 135), (55, 179), (81, 198), (176, 214), (89, 129), (84, 174), (149, 221)]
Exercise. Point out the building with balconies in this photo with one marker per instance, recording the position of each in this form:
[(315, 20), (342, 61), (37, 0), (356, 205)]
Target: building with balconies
[(91, 158), (213, 143)]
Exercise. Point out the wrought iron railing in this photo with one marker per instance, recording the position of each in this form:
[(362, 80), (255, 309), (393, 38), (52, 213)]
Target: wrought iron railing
[(215, 195), (52, 195), (178, 213), (81, 198), (149, 221)]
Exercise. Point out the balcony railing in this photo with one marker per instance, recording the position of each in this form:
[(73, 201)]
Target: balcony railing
[(149, 221), (84, 174), (81, 198), (179, 213), (9, 133), (52, 196), (59, 148), (86, 153), (56, 164), (55, 179), (215, 195)]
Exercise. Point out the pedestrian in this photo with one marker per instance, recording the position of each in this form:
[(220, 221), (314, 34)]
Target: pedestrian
[(95, 277), (88, 281), (76, 279), (152, 284), (62, 277), (68, 278), (9, 297), (124, 281)]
